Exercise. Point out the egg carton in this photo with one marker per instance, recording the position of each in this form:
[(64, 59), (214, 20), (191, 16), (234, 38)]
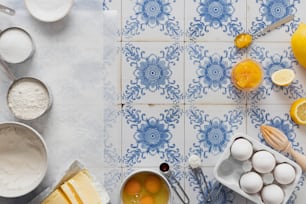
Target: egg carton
[(228, 170)]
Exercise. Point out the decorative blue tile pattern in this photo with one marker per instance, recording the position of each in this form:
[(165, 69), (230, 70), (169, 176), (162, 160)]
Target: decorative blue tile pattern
[(271, 63), (274, 10), (152, 136), (213, 72), (213, 133), (215, 14), (152, 72), (176, 97), (152, 14)]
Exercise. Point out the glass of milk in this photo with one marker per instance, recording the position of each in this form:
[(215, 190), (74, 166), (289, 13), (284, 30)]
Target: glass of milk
[(16, 45)]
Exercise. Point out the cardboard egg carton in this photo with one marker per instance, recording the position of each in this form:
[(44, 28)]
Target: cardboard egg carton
[(228, 170), (73, 169)]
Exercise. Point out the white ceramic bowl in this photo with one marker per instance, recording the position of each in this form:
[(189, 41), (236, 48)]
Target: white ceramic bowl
[(145, 171), (23, 159), (49, 10)]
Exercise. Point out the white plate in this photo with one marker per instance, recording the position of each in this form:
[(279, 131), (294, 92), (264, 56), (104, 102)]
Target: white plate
[(23, 159), (49, 10)]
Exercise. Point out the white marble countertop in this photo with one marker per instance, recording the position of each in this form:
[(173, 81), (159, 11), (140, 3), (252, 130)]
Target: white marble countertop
[(68, 58)]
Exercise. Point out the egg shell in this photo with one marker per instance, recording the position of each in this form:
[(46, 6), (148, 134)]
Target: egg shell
[(251, 182), (263, 162), (241, 149), (272, 194), (284, 173)]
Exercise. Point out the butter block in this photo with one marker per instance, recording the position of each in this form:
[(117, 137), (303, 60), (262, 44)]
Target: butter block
[(56, 196), (77, 190)]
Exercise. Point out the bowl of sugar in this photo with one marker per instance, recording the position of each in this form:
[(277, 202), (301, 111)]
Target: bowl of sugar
[(16, 45), (23, 159)]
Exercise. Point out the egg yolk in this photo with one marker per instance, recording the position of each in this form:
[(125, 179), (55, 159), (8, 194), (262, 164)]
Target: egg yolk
[(247, 75), (147, 200), (153, 183), (132, 187)]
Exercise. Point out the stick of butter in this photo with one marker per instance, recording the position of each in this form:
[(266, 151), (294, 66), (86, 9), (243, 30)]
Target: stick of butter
[(77, 190)]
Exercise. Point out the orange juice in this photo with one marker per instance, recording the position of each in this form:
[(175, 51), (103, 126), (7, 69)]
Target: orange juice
[(247, 75), (145, 188)]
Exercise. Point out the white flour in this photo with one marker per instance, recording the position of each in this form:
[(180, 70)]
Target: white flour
[(28, 99), (15, 46), (22, 160)]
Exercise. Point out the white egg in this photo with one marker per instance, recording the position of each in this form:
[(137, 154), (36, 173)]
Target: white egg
[(263, 162), (251, 182), (241, 149), (272, 194), (284, 173)]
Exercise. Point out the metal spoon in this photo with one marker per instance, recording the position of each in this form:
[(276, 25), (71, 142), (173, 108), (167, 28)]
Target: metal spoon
[(247, 37), (7, 10), (165, 169), (194, 163)]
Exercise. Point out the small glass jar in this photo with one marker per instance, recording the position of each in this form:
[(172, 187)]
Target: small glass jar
[(247, 75)]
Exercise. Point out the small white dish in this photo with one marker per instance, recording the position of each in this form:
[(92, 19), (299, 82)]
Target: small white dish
[(49, 10), (23, 159)]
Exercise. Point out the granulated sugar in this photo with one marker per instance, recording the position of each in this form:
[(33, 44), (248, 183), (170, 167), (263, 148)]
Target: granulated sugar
[(15, 45), (28, 99)]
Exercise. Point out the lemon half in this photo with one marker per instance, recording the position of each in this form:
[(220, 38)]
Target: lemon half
[(298, 111), (283, 77)]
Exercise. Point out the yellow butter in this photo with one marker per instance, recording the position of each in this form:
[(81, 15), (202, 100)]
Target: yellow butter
[(77, 190), (81, 183), (70, 193), (56, 197)]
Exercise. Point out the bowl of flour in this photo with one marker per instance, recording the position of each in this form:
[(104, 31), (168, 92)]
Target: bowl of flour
[(28, 98), (23, 159)]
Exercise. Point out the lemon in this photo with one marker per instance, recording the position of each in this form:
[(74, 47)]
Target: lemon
[(298, 44), (298, 111), (283, 77)]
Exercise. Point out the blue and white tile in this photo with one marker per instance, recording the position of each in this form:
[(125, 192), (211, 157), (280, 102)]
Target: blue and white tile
[(214, 20), (262, 13), (209, 128), (208, 73), (153, 20), (152, 73), (218, 193), (152, 134), (273, 57), (278, 116)]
